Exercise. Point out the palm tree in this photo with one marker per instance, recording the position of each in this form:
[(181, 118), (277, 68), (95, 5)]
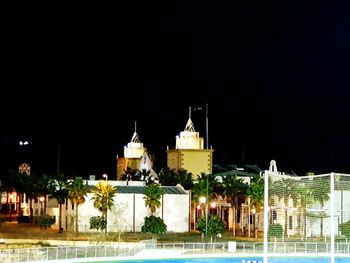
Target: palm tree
[(201, 189), (129, 175), (41, 185), (255, 192), (20, 185), (77, 191), (167, 177), (320, 193), (305, 198), (103, 198), (184, 178), (285, 189), (58, 189), (153, 194), (234, 190), (171, 177)]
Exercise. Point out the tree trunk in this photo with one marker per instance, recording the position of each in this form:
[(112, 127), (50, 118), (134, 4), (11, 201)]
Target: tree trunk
[(106, 221), (285, 222), (76, 219), (60, 219)]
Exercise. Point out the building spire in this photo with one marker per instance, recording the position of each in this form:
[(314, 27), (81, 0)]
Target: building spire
[(135, 137), (189, 126)]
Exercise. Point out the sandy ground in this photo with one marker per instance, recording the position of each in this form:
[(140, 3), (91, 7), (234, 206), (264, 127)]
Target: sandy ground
[(13, 230)]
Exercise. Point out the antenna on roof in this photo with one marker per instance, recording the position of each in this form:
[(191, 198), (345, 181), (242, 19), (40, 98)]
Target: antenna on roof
[(135, 126), (189, 112)]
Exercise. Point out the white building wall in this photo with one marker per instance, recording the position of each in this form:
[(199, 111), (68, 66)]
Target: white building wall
[(315, 223), (176, 213), (129, 213)]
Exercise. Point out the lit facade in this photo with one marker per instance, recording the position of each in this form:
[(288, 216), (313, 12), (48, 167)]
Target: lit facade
[(189, 153), (133, 154)]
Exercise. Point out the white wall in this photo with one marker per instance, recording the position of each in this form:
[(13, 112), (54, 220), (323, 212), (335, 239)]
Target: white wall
[(129, 212)]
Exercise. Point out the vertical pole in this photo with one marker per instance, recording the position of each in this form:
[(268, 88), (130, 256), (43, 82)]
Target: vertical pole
[(234, 221), (332, 218), (133, 218), (207, 125), (58, 159), (206, 211), (249, 218), (266, 210)]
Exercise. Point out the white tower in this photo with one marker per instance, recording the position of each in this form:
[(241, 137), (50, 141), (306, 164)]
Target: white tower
[(135, 148)]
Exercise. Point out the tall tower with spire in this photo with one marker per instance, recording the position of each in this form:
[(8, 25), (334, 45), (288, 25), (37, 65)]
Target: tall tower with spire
[(133, 153), (189, 152)]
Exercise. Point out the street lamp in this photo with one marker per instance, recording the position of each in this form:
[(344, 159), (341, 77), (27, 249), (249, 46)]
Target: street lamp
[(203, 200), (11, 197), (254, 219), (41, 199), (106, 176)]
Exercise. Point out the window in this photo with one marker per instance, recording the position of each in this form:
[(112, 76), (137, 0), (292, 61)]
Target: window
[(273, 217)]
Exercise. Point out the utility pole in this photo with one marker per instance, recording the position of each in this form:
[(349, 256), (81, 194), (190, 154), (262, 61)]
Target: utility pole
[(206, 211), (58, 159), (206, 122), (207, 125)]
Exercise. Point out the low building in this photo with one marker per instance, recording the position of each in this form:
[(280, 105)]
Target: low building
[(129, 210)]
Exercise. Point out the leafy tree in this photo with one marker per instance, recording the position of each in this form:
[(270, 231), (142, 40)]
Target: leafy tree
[(103, 197), (215, 225), (77, 191), (58, 189), (153, 194)]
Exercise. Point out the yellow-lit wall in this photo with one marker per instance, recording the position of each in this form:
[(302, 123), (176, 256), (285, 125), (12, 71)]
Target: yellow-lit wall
[(193, 161), (124, 163)]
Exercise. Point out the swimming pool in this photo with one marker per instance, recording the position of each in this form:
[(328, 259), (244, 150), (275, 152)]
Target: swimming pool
[(238, 259)]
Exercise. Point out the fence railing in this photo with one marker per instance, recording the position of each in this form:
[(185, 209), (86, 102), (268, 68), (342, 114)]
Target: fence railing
[(139, 249)]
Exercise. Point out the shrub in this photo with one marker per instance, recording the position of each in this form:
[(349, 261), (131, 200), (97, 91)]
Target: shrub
[(214, 226), (46, 221), (154, 225), (275, 230), (345, 229), (98, 222)]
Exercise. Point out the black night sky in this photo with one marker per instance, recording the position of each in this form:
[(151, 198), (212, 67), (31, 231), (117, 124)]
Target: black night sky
[(275, 75)]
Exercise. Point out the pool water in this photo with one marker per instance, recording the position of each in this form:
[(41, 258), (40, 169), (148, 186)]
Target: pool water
[(239, 260)]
